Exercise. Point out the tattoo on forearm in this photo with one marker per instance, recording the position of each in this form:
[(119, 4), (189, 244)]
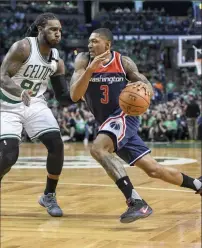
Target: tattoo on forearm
[(132, 72), (8, 85), (142, 78), (112, 166)]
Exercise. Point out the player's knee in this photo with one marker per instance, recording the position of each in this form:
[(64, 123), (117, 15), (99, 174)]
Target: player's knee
[(9, 151), (96, 151), (101, 146), (55, 147), (53, 143), (154, 171)]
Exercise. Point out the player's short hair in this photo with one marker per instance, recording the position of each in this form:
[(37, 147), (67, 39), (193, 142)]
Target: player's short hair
[(105, 32), (41, 20)]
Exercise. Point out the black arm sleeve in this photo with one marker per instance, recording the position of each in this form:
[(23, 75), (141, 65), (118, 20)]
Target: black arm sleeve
[(60, 88)]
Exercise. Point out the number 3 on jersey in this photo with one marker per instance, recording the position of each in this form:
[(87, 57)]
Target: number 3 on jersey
[(27, 85), (105, 92)]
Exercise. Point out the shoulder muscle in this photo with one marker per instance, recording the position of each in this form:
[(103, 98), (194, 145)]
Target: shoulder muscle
[(20, 50), (128, 64), (81, 61), (16, 56), (60, 69)]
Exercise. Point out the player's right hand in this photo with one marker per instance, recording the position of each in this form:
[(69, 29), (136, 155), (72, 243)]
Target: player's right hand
[(98, 61), (26, 97), (139, 85)]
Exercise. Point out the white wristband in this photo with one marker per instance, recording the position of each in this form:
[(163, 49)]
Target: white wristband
[(22, 94)]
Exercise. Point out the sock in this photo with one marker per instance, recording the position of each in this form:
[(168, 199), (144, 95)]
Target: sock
[(51, 185), (191, 183), (126, 187), (135, 195)]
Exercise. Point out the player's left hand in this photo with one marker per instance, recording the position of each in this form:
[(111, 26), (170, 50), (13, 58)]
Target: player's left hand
[(139, 85), (26, 97)]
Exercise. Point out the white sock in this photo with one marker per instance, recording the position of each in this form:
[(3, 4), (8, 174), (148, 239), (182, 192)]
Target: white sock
[(135, 195), (197, 184)]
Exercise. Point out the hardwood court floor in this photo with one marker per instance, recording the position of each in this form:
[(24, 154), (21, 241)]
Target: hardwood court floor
[(92, 205)]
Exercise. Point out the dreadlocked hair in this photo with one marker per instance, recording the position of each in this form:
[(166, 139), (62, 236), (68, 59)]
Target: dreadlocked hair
[(41, 20)]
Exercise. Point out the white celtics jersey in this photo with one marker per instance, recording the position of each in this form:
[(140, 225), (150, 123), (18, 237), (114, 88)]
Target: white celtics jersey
[(34, 74)]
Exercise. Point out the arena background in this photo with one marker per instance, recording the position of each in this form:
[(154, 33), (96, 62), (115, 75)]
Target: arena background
[(160, 37), (164, 40)]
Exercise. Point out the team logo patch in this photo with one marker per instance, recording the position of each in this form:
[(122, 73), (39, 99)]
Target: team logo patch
[(115, 125)]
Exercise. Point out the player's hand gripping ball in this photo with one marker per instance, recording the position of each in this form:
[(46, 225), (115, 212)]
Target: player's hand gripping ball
[(135, 98)]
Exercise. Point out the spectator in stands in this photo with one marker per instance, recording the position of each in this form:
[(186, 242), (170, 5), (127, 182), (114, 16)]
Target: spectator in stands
[(171, 128), (199, 121), (158, 130), (192, 113), (144, 127), (170, 88)]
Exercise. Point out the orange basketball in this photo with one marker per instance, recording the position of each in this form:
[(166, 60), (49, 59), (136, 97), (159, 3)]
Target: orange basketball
[(133, 101)]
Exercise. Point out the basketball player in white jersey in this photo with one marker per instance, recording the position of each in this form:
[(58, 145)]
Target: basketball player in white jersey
[(25, 72)]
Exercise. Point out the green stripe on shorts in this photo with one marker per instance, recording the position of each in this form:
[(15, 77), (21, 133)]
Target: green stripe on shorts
[(48, 130), (6, 99), (10, 136)]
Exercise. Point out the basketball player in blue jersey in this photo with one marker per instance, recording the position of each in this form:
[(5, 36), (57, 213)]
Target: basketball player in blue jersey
[(25, 72), (99, 77)]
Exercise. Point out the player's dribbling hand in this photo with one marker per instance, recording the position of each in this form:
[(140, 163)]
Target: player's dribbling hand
[(139, 85), (98, 61), (26, 97)]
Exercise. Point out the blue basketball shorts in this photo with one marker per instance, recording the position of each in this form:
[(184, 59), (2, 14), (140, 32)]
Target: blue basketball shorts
[(123, 131)]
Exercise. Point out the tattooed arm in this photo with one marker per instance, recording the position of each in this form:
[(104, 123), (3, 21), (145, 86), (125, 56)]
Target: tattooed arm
[(133, 74), (16, 56), (80, 78)]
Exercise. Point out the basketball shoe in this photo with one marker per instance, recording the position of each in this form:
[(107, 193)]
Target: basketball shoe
[(199, 191), (50, 203), (137, 209)]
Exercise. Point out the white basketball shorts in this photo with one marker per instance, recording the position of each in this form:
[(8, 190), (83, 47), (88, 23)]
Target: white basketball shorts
[(37, 119)]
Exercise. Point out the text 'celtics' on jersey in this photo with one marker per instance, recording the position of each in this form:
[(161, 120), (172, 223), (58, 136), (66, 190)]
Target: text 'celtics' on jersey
[(34, 73)]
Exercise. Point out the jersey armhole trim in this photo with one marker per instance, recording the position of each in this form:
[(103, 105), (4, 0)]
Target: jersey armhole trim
[(30, 51), (121, 64), (55, 55)]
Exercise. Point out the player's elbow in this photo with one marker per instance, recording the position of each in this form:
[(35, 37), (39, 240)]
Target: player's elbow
[(74, 95), (2, 79)]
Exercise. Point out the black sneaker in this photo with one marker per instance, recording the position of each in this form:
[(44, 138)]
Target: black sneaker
[(137, 209)]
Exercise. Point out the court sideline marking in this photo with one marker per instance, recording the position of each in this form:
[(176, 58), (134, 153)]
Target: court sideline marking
[(102, 185)]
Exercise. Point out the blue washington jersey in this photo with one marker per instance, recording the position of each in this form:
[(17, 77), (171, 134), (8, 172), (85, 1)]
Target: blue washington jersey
[(102, 98), (106, 84)]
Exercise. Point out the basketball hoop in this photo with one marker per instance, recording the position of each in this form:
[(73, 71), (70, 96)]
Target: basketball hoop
[(198, 63)]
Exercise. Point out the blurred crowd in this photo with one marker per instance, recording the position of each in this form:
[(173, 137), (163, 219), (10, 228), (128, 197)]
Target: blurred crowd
[(129, 21), (174, 113), (14, 24), (175, 107), (176, 119)]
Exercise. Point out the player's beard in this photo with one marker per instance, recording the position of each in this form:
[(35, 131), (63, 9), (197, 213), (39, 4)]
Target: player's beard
[(48, 43)]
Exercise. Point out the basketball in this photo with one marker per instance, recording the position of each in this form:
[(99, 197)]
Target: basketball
[(134, 101)]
